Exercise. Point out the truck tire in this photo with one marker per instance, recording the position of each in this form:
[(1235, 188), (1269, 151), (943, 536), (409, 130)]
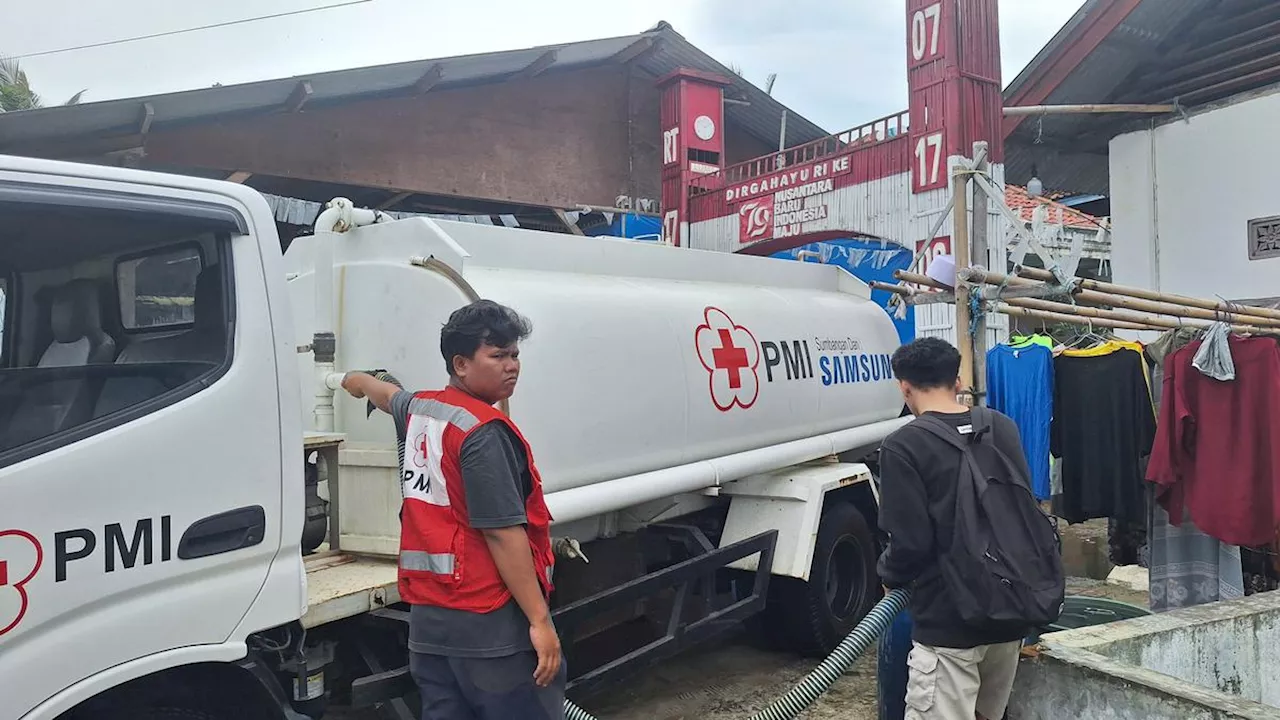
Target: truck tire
[(814, 616)]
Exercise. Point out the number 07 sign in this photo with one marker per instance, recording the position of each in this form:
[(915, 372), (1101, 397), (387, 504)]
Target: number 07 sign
[(926, 40), (929, 42)]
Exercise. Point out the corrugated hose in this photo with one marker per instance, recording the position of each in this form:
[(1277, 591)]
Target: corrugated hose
[(815, 683), (385, 376), (828, 671)]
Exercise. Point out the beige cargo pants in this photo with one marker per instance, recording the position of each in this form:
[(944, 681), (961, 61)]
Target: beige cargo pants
[(955, 684)]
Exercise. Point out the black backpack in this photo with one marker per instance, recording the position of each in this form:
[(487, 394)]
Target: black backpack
[(1005, 560)]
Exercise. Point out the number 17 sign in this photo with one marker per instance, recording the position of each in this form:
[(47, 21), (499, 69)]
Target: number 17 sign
[(928, 44)]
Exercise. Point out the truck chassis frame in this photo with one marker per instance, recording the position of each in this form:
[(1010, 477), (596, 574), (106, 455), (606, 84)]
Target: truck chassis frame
[(389, 687)]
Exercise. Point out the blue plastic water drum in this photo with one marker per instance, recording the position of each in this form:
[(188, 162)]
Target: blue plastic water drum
[(895, 645)]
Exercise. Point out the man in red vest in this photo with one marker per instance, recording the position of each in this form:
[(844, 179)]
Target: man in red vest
[(475, 543)]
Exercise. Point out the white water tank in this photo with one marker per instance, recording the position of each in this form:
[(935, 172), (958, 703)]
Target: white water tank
[(642, 357)]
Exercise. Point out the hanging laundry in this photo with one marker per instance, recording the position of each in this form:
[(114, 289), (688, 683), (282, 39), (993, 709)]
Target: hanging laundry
[(1187, 567), (1217, 451), (1214, 356), (1020, 385), (1127, 542), (1021, 341), (1103, 425)]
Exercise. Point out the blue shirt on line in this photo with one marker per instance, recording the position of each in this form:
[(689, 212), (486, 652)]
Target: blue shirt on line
[(1020, 385)]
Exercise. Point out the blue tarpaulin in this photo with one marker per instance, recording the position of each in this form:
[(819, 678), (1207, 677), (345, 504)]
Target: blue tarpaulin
[(866, 260), (639, 227)]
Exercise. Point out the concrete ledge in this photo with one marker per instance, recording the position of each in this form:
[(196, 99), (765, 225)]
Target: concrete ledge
[(1208, 661), (1071, 683)]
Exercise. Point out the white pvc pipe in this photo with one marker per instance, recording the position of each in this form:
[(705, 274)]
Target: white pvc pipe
[(590, 500), (339, 216)]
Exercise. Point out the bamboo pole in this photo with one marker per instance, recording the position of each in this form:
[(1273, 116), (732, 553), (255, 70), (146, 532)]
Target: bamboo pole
[(1130, 317), (979, 249), (1105, 287), (1067, 318), (1007, 309), (1149, 321), (979, 275), (1093, 109), (919, 279), (901, 289), (960, 251)]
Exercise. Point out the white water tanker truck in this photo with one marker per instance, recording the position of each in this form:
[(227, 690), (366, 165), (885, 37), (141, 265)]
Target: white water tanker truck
[(194, 525)]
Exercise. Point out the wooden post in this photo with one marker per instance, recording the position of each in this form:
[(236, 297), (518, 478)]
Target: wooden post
[(960, 249), (980, 256)]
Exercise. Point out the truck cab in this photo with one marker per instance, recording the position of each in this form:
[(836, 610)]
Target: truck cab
[(144, 432)]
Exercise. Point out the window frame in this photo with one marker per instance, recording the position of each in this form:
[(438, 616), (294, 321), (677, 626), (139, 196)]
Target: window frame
[(148, 253), (9, 319), (224, 222)]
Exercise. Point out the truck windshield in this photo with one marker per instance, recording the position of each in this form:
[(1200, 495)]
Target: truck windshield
[(105, 312)]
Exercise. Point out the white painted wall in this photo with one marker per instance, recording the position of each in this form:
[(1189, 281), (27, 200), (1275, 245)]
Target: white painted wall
[(1182, 195)]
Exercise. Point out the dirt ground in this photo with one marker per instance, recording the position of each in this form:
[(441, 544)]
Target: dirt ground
[(730, 682)]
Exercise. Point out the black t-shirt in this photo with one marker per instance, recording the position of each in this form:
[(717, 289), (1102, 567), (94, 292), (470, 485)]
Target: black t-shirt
[(496, 480), (1103, 426), (918, 473)]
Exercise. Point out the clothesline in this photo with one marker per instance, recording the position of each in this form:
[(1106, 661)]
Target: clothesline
[(1085, 315), (1174, 307)]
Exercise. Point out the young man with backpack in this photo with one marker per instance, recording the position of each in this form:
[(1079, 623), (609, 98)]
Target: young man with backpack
[(967, 537)]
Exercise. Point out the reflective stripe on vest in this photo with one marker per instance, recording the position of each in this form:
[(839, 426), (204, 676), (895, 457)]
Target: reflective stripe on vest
[(419, 561), (452, 414)]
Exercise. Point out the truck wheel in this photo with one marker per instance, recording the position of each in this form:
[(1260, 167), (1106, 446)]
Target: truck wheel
[(842, 588)]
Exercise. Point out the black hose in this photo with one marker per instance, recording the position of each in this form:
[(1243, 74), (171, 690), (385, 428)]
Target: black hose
[(821, 679), (385, 376)]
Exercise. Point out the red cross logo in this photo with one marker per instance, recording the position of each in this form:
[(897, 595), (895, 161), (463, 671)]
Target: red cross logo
[(730, 354), (420, 449), (730, 358), (20, 560)]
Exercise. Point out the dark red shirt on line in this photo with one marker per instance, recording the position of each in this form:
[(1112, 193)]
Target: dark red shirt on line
[(1217, 446)]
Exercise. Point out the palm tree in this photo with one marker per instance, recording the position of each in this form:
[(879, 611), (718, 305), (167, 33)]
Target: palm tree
[(15, 89)]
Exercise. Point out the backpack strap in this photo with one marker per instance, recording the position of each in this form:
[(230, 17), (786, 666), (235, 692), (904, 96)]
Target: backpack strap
[(943, 431), (973, 480), (981, 421)]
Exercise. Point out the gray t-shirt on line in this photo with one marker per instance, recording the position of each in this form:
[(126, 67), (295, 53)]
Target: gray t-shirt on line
[(496, 480)]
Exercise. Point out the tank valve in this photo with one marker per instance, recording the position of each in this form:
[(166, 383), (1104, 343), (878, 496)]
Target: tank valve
[(569, 548)]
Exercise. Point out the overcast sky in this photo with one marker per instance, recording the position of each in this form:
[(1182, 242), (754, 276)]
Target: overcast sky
[(839, 62)]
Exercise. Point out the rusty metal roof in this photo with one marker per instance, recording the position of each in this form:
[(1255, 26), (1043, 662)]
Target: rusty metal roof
[(1190, 52), (659, 51)]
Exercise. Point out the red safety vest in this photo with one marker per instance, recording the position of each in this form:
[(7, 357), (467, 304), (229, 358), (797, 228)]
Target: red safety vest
[(443, 561)]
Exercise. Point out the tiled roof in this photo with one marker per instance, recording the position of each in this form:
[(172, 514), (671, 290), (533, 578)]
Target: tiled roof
[(1019, 201)]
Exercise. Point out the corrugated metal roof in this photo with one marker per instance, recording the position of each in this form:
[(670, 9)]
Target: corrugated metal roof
[(761, 117), (1147, 51)]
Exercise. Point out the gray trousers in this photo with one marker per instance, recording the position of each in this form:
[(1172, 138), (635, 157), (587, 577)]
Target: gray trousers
[(500, 688)]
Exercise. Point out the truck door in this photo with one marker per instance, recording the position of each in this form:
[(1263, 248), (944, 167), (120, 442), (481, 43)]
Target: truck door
[(140, 441)]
